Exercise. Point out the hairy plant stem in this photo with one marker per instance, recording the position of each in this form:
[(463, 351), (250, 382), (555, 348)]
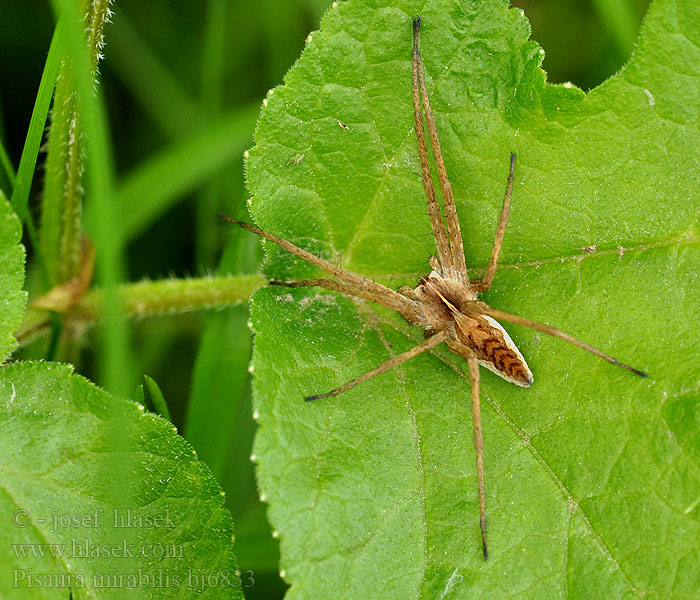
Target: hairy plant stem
[(61, 214), (146, 299)]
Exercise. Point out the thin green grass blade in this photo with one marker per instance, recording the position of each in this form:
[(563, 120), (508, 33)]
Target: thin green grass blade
[(37, 123), (160, 182), (8, 170), (32, 144), (214, 53), (210, 200), (152, 85)]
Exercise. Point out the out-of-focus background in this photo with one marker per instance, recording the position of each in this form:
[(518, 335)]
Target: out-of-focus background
[(174, 67)]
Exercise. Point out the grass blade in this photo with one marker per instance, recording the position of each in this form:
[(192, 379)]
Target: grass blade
[(161, 181)]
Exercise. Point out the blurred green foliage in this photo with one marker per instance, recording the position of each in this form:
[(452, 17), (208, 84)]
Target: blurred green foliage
[(172, 70), (584, 42)]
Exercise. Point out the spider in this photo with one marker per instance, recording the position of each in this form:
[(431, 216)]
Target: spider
[(445, 303)]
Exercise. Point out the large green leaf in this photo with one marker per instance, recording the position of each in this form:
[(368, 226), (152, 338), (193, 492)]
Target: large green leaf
[(102, 499), (593, 474)]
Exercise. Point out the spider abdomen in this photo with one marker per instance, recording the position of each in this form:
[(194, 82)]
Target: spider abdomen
[(492, 345)]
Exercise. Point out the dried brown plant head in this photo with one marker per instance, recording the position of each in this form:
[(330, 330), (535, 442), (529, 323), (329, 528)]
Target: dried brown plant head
[(445, 303)]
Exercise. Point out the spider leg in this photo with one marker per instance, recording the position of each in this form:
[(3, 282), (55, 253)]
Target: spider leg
[(457, 247), (478, 446), (485, 282), (407, 290), (484, 309), (403, 305), (433, 207), (388, 365), (361, 282)]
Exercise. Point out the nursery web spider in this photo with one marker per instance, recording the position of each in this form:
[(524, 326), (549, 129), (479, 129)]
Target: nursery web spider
[(445, 302)]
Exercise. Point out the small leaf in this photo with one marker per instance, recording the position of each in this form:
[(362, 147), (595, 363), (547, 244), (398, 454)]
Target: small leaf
[(11, 277), (157, 398), (102, 497), (590, 472)]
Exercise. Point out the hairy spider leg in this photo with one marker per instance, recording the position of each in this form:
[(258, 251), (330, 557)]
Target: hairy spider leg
[(436, 222), (483, 284), (395, 361), (453, 229), (478, 447), (484, 309), (382, 294)]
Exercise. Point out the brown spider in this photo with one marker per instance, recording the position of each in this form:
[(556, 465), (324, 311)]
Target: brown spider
[(445, 302)]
